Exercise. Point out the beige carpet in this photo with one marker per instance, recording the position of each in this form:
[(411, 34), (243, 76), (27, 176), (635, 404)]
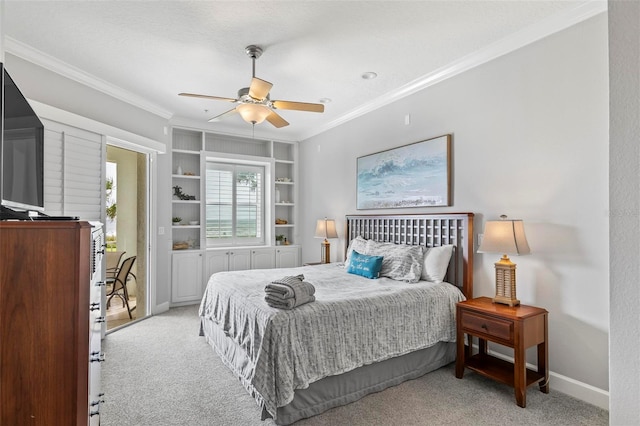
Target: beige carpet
[(160, 372)]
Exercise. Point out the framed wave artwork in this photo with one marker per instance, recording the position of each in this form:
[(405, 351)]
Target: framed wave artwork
[(414, 175)]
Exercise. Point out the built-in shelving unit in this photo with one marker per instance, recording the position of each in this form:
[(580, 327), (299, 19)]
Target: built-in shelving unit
[(190, 150), (187, 148)]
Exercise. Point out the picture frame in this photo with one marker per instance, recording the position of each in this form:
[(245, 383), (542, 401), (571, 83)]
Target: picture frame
[(413, 175)]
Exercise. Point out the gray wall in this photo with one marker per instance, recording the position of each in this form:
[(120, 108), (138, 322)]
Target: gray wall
[(41, 85), (624, 204), (530, 140)]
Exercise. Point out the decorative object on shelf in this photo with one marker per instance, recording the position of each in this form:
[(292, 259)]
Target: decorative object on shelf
[(177, 191), (281, 221), (189, 174), (326, 228), (414, 175), (507, 237), (194, 222), (180, 245), (286, 242), (277, 195), (179, 171), (176, 220), (280, 239), (283, 180)]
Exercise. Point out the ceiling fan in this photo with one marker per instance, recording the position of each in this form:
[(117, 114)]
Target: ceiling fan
[(254, 104)]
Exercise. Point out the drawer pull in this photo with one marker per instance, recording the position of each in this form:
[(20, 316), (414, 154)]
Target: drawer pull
[(484, 326), (96, 357)]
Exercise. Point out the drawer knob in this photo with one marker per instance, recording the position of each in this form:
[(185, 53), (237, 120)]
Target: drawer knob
[(484, 326), (96, 357)]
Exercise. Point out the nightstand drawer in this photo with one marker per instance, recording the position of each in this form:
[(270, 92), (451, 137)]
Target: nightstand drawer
[(494, 327)]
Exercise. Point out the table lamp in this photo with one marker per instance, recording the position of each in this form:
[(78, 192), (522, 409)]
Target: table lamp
[(505, 236), (325, 228)]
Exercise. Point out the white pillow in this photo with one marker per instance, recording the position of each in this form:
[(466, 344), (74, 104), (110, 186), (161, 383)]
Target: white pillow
[(436, 262), (358, 244)]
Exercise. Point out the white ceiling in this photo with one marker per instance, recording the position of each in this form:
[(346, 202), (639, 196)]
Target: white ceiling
[(146, 52)]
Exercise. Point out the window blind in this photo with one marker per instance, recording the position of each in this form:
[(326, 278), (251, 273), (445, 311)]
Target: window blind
[(234, 204), (73, 172)]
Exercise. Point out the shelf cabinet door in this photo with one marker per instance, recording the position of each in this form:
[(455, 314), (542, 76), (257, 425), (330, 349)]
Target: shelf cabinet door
[(264, 258), (186, 277), (239, 259), (287, 257)]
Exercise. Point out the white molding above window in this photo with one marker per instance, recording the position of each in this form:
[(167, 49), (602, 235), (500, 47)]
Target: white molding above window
[(115, 136)]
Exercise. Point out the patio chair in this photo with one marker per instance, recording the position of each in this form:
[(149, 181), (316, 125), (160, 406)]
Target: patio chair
[(119, 284)]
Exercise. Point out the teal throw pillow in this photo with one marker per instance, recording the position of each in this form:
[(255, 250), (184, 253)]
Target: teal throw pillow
[(367, 266)]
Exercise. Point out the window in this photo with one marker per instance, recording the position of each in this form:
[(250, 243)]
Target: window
[(234, 204)]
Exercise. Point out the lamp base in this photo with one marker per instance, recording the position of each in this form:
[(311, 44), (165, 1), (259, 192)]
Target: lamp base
[(506, 282), (325, 256), (506, 300)]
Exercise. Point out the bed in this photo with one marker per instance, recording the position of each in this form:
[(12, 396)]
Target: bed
[(360, 335)]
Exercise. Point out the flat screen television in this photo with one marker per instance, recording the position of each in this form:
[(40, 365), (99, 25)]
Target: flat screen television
[(21, 150)]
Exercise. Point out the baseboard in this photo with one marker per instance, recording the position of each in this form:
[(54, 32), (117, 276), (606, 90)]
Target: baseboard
[(569, 386), (163, 307), (579, 390)]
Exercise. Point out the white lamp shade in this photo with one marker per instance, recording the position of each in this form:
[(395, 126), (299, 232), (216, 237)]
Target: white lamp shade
[(253, 113), (326, 228), (504, 236)]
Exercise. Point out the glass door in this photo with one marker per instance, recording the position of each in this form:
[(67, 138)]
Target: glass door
[(127, 218)]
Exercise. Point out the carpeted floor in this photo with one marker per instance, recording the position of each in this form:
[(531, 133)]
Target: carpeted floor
[(160, 372)]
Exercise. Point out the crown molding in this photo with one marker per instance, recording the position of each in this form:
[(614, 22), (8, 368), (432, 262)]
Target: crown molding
[(528, 35), (57, 66), (524, 37)]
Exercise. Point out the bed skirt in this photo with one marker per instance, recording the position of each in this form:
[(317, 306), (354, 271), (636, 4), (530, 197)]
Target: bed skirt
[(342, 389)]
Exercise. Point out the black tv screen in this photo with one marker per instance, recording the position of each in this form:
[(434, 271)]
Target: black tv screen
[(21, 151)]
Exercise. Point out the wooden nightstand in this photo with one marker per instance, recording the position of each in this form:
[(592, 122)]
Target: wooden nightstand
[(518, 327)]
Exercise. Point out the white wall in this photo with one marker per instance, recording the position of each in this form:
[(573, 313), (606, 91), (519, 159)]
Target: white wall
[(624, 63), (530, 140)]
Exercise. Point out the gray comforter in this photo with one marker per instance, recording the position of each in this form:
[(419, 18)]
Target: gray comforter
[(353, 322)]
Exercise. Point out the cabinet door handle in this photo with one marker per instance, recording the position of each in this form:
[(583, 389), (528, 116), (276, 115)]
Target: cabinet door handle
[(96, 357)]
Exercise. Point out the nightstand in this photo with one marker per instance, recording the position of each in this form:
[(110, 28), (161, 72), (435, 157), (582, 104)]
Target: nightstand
[(518, 327)]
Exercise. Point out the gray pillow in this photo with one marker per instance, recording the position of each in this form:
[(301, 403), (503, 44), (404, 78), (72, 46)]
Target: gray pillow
[(401, 262)]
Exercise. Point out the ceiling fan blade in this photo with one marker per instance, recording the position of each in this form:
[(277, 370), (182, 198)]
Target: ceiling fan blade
[(276, 120), (223, 115), (298, 106), (259, 89), (215, 98)]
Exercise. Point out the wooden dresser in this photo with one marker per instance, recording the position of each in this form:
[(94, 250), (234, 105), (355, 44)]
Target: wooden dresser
[(49, 314)]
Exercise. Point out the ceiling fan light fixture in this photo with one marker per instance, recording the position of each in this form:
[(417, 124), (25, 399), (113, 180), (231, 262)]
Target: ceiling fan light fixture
[(253, 113)]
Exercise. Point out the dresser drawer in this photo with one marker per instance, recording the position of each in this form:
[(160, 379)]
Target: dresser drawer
[(494, 327)]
